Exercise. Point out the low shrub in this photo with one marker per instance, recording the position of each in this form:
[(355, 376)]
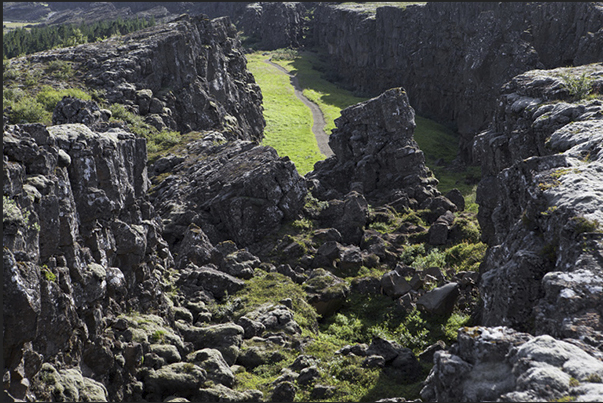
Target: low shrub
[(49, 97)]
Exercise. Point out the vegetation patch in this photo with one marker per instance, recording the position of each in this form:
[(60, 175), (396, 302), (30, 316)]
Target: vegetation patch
[(288, 120)]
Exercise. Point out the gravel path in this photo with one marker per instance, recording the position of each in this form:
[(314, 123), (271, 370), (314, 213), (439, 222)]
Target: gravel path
[(318, 128)]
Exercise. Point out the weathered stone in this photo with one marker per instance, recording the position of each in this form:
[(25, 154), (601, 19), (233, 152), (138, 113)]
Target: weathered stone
[(502, 364), (326, 292), (441, 300), (213, 363), (373, 146), (186, 378), (283, 392), (226, 338), (394, 284), (209, 279), (308, 375), (261, 191)]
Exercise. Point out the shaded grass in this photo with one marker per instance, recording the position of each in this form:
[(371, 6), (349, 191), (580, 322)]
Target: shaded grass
[(288, 120)]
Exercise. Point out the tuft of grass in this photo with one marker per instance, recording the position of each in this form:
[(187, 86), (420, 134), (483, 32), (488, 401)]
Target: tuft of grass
[(579, 87)]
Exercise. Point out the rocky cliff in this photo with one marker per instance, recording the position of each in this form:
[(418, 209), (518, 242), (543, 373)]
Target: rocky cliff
[(453, 57), (185, 75), (541, 213), (81, 245)]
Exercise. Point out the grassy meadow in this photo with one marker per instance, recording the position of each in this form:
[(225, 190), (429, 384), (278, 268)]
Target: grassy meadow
[(288, 120)]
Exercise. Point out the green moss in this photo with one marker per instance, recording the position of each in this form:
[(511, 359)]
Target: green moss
[(583, 225), (272, 288), (465, 256)]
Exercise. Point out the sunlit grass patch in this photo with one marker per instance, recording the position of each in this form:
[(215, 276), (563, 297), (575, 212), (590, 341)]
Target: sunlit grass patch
[(288, 120)]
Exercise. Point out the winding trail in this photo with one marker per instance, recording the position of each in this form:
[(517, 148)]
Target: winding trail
[(318, 127)]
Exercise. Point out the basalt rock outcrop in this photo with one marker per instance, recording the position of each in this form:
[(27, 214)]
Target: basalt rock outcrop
[(81, 245), (237, 191), (542, 159), (540, 211), (376, 155), (504, 365), (453, 57), (185, 75)]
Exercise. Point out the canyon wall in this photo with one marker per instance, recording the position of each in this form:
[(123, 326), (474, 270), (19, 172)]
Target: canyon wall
[(453, 57)]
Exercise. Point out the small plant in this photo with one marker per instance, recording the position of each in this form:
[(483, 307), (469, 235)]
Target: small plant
[(583, 225), (573, 382), (579, 87), (60, 69), (158, 335), (303, 224), (48, 275), (594, 378)]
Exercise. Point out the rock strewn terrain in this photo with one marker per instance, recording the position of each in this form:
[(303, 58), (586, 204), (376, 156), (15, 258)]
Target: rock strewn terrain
[(541, 213), (185, 75), (453, 57)]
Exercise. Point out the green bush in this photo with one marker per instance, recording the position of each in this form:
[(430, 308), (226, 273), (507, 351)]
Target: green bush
[(578, 86), (29, 110), (49, 97), (465, 256)]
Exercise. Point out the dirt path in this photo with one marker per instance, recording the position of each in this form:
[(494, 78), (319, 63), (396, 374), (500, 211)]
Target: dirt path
[(318, 128)]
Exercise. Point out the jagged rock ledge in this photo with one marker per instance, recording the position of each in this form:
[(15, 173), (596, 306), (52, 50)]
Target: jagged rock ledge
[(541, 209)]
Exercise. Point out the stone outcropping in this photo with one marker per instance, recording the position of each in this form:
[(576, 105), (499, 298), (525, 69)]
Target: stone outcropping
[(237, 191), (81, 244), (376, 155), (453, 57), (504, 365), (541, 212), (185, 75), (541, 205)]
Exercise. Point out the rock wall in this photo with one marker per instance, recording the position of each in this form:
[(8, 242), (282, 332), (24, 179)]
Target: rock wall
[(541, 204), (453, 57), (81, 245), (185, 75)]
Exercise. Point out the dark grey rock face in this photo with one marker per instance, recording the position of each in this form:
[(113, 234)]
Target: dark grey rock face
[(275, 24), (453, 57), (540, 205), (185, 75), (81, 242), (235, 191), (376, 155), (501, 364)]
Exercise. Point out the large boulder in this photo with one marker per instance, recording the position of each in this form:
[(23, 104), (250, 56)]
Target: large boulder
[(375, 154), (501, 364), (237, 191)]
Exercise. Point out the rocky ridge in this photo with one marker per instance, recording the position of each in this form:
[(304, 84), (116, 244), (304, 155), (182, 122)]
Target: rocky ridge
[(540, 211), (197, 81)]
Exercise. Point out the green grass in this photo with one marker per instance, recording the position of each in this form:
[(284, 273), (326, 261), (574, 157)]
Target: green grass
[(288, 120), (330, 98)]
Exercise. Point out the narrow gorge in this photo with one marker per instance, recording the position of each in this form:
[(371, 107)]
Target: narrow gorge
[(155, 249)]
